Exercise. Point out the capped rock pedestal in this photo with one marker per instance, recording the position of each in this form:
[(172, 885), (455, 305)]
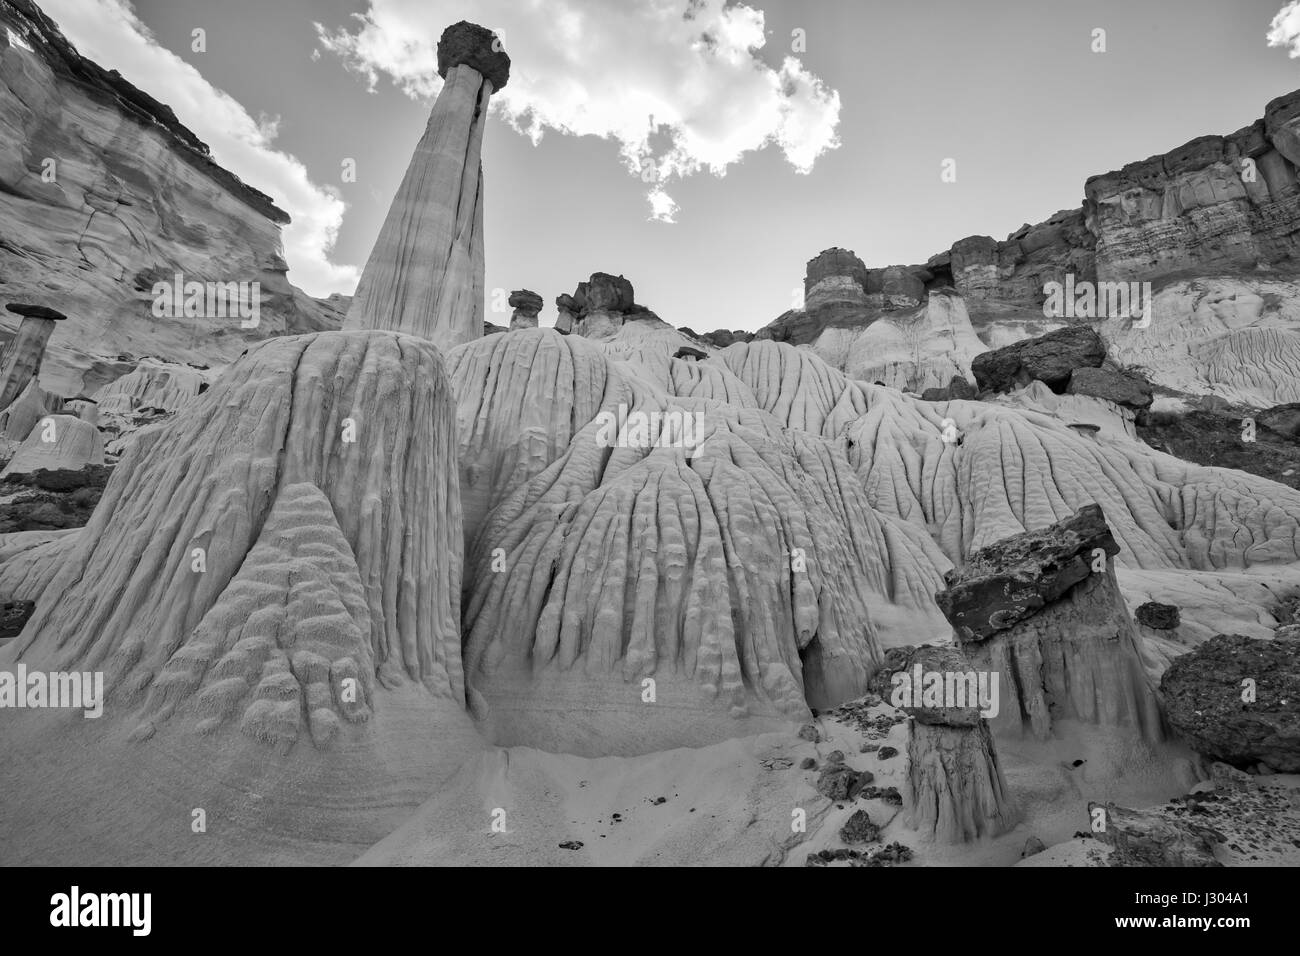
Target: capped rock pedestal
[(425, 273), (954, 788), (1043, 610), (527, 305)]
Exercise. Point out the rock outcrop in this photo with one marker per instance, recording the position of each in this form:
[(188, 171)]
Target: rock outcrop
[(160, 553), (526, 306), (1150, 838), (1050, 359), (1237, 699), (1215, 202), (104, 193), (1043, 610), (425, 273), (599, 307)]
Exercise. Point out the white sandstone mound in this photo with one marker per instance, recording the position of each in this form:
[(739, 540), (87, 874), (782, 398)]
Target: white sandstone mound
[(521, 397), (734, 562), (58, 442), (270, 662), (971, 473), (1234, 337), (271, 588)]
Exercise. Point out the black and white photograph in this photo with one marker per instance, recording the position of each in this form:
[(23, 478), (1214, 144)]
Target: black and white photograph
[(586, 434)]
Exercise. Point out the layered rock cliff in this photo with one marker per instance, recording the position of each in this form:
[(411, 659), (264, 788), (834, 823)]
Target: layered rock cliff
[(104, 193)]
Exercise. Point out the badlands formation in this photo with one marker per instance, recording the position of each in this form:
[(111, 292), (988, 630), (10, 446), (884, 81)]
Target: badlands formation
[(910, 575)]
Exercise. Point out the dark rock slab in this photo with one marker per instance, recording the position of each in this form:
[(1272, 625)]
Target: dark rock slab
[(1050, 358), (1016, 577), (1203, 691)]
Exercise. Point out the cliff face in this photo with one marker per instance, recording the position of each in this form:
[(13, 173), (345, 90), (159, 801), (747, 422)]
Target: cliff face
[(103, 193), (1218, 201)]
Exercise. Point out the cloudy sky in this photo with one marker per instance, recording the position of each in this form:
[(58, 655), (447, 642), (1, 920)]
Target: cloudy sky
[(704, 150)]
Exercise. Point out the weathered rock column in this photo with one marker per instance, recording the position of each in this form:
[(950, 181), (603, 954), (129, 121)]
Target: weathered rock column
[(526, 305), (22, 359), (425, 273)]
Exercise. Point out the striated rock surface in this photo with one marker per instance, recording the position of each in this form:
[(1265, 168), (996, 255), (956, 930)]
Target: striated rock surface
[(425, 273), (1237, 699), (266, 424), (104, 192), (752, 579)]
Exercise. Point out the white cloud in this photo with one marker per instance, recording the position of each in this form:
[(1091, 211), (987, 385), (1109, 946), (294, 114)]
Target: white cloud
[(109, 32), (595, 68), (1284, 31)]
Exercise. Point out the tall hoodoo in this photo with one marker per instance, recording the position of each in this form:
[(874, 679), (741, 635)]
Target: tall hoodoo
[(22, 360), (425, 273)]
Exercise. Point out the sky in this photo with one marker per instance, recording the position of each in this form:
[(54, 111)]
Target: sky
[(705, 150)]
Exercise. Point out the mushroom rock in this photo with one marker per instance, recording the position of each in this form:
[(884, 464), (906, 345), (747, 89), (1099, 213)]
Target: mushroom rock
[(1043, 610), (275, 570), (58, 442), (526, 305), (425, 273), (567, 313), (954, 787), (22, 359), (742, 574)]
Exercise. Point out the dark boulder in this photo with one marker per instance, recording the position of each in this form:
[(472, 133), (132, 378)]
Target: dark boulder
[(1119, 387), (1162, 617), (1050, 358), (468, 44), (1208, 698)]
